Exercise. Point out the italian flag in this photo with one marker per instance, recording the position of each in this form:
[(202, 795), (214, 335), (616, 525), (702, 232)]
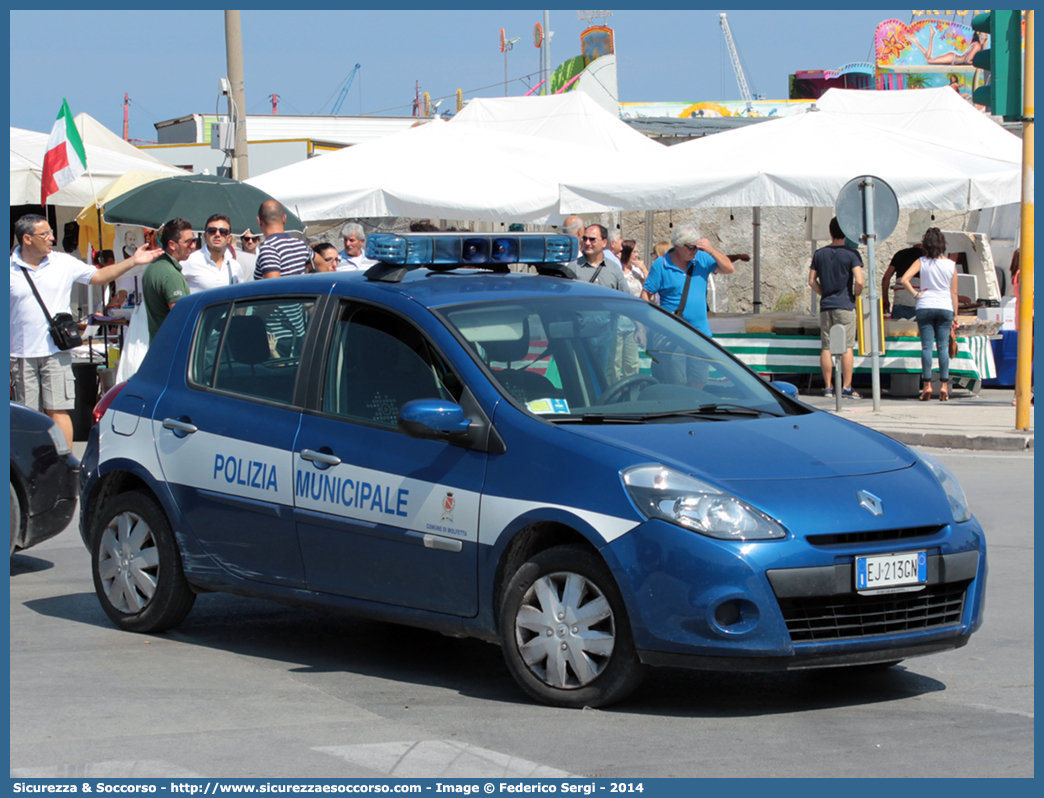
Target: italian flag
[(65, 159)]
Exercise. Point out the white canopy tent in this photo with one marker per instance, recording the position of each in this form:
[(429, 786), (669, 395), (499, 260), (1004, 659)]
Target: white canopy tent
[(572, 118), (805, 160), (96, 134), (103, 165), (938, 112), (437, 170)]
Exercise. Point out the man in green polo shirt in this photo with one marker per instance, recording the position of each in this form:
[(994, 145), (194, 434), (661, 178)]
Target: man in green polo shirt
[(163, 284)]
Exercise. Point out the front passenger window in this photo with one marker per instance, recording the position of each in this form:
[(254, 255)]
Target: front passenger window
[(379, 362)]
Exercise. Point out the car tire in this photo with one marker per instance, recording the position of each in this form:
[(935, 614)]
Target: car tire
[(16, 519), (137, 566), (565, 633)]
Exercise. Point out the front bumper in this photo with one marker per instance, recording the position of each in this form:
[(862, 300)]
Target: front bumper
[(781, 605)]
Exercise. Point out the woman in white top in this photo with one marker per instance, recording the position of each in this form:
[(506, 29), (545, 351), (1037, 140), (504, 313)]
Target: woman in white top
[(633, 267), (625, 355), (936, 308)]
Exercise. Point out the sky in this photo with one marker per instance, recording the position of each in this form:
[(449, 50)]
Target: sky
[(170, 62)]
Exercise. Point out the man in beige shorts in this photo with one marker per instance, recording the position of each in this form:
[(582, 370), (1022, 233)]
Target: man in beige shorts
[(837, 276)]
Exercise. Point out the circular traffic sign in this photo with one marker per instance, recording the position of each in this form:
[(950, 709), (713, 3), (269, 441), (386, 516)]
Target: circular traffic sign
[(851, 201)]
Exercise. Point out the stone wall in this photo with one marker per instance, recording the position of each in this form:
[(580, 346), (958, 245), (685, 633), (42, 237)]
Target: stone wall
[(785, 252)]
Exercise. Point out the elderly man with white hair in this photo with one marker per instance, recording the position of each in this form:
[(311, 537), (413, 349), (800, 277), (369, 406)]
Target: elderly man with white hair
[(353, 256), (680, 276)]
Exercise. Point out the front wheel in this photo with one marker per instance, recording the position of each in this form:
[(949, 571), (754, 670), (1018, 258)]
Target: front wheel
[(565, 633), (137, 567)]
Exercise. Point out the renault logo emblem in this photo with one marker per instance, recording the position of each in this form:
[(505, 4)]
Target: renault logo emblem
[(870, 502)]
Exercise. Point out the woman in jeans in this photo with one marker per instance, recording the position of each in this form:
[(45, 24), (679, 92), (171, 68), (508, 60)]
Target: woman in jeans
[(936, 308)]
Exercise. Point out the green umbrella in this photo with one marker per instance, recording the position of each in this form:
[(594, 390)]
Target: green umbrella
[(192, 197)]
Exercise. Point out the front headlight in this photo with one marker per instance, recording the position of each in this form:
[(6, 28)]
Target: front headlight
[(954, 492), (661, 492)]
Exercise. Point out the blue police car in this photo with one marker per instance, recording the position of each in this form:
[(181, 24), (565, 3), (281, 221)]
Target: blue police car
[(525, 458)]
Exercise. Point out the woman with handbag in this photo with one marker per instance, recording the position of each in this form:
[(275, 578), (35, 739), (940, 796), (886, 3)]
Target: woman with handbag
[(936, 309), (42, 325)]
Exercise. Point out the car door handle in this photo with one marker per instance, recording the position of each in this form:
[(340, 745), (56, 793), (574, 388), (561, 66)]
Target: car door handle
[(179, 426), (318, 457)]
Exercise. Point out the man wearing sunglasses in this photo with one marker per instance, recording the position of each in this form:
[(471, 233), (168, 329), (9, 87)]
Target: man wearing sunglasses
[(246, 252), (680, 276), (593, 266), (213, 266)]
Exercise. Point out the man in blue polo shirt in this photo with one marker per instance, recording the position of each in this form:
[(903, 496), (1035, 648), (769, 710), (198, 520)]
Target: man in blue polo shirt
[(680, 278), (686, 265)]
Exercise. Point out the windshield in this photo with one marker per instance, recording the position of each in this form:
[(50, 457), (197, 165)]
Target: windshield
[(595, 359)]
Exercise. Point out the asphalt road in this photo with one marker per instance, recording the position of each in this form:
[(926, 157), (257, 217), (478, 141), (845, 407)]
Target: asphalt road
[(247, 688)]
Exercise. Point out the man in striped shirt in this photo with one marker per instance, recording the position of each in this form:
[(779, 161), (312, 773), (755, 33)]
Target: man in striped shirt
[(281, 255)]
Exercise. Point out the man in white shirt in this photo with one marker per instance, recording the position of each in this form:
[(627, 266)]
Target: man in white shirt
[(213, 266), (41, 373), (353, 257)]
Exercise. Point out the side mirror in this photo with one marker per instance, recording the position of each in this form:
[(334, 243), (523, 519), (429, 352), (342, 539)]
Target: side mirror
[(433, 418), (788, 388)]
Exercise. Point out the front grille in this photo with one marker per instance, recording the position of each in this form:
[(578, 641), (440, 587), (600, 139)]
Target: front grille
[(843, 617), (877, 536)]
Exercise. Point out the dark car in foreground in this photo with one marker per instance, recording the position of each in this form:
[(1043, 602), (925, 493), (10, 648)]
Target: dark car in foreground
[(44, 473), (560, 468)]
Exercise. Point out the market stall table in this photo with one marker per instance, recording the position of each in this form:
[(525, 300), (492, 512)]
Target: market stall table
[(774, 354)]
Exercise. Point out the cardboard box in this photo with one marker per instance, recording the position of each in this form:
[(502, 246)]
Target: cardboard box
[(1005, 314)]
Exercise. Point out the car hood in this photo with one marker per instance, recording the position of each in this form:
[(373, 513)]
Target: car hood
[(813, 446)]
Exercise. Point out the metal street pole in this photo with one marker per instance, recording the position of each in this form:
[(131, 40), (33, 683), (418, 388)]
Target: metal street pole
[(1024, 364), (547, 52), (236, 97), (871, 236), (509, 44)]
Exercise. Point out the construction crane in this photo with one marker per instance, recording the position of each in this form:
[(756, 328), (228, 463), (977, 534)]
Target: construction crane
[(344, 91), (737, 67)]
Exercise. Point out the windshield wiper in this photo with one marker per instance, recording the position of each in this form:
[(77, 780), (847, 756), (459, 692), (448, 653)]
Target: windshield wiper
[(708, 412), (734, 410), (596, 418), (711, 412)]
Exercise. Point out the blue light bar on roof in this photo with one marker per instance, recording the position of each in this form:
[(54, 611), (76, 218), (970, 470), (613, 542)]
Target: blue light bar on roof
[(449, 250)]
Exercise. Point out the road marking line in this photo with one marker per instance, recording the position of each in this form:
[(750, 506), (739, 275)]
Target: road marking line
[(441, 759), (141, 768), (1002, 711)]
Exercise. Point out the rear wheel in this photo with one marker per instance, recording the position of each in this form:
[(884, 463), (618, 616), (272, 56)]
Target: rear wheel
[(565, 633), (137, 566)]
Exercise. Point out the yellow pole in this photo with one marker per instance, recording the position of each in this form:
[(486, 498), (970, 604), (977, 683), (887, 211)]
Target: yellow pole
[(861, 342), (1023, 376)]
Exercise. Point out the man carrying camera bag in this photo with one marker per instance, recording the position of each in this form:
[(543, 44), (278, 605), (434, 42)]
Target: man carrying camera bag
[(42, 325)]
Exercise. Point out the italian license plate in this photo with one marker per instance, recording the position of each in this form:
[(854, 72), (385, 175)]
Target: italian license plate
[(892, 573)]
